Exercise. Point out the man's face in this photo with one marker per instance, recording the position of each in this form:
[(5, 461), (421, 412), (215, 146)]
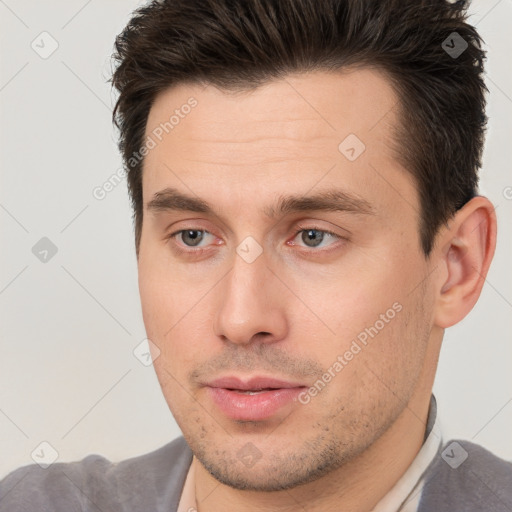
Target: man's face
[(250, 296)]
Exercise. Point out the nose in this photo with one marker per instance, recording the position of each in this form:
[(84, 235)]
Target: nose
[(250, 304)]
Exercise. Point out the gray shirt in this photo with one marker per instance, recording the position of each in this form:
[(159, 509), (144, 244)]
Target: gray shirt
[(462, 477)]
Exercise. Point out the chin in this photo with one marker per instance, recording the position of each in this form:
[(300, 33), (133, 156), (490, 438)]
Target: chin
[(270, 471)]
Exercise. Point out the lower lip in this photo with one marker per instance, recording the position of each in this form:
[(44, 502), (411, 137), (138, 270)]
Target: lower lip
[(245, 407)]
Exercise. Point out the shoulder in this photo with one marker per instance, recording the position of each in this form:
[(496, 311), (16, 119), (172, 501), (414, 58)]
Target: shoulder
[(152, 481), (465, 476)]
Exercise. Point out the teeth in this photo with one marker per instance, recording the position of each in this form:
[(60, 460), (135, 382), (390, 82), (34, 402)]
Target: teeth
[(251, 392)]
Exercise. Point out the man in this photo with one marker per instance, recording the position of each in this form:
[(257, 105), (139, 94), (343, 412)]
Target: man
[(307, 224)]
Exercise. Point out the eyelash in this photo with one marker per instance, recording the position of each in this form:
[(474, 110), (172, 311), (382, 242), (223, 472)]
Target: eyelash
[(197, 252)]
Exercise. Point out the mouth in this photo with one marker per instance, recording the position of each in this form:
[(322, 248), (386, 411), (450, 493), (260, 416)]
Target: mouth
[(255, 399), (251, 392)]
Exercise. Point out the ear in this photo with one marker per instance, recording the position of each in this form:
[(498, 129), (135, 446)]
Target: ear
[(466, 249)]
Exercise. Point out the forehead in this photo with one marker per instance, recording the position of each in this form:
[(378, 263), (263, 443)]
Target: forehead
[(325, 103), (285, 135)]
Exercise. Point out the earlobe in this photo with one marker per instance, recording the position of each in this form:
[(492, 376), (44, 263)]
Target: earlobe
[(467, 249)]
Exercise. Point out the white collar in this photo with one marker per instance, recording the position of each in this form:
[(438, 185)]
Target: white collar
[(406, 493)]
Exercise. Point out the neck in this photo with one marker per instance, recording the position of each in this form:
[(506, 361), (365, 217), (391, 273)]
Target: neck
[(357, 486)]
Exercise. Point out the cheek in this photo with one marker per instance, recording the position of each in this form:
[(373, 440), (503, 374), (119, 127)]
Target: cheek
[(164, 297), (353, 303), (368, 315), (381, 365), (153, 302), (174, 386), (173, 317)]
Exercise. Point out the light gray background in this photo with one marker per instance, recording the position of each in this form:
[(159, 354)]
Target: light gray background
[(69, 326)]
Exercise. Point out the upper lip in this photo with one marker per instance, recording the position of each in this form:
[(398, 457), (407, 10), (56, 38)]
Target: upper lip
[(252, 384)]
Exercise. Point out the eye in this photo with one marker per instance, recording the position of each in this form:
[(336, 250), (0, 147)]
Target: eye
[(191, 237), (314, 237)]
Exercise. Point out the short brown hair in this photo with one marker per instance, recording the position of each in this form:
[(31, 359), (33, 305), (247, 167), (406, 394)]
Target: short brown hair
[(240, 44)]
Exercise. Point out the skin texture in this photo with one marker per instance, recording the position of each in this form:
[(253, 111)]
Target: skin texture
[(291, 312)]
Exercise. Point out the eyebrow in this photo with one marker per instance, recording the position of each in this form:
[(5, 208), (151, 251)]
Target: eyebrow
[(332, 200)]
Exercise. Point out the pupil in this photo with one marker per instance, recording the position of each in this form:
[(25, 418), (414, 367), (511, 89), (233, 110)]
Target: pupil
[(311, 236), (195, 239)]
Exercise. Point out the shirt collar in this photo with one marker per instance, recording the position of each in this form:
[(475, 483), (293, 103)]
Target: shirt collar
[(405, 495)]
